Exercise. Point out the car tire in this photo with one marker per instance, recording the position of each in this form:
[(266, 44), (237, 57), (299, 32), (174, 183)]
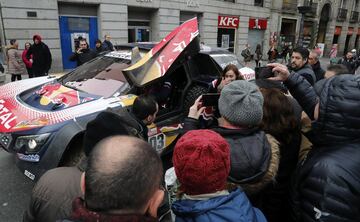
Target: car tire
[(193, 93)]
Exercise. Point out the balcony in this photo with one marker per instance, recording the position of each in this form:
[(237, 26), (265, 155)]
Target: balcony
[(341, 16), (354, 17), (289, 7), (313, 11)]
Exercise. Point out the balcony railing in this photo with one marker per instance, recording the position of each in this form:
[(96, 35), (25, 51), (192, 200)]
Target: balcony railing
[(289, 6), (313, 11), (342, 13), (354, 17)]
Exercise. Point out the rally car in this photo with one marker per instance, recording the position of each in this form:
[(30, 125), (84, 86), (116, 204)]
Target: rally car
[(42, 120)]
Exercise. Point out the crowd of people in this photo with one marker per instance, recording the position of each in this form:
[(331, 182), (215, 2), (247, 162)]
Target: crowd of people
[(284, 147), (35, 60)]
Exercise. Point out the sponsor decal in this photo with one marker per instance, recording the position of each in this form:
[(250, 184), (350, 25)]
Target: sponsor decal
[(30, 158), (30, 175), (158, 141), (7, 118)]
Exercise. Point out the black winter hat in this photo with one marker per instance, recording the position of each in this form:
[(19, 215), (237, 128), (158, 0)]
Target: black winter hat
[(104, 125)]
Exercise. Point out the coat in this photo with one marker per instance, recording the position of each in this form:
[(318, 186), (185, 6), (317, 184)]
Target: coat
[(53, 194), (308, 73), (232, 207), (15, 64), (319, 72), (41, 58), (107, 46), (327, 182), (253, 168), (27, 62), (85, 56)]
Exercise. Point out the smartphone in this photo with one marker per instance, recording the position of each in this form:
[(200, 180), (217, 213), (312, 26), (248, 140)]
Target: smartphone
[(210, 99), (263, 72)]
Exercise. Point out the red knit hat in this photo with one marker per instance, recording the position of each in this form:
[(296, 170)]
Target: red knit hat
[(202, 162)]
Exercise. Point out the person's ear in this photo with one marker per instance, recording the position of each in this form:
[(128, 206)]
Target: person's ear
[(82, 183), (155, 202)]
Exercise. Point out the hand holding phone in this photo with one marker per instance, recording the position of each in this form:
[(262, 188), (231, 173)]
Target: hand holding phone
[(196, 109), (210, 99)]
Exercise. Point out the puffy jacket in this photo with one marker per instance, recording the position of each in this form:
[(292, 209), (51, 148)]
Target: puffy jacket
[(308, 73), (327, 183), (232, 207), (15, 64), (254, 156)]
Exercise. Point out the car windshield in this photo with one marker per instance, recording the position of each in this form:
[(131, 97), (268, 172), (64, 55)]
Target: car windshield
[(225, 59), (102, 76)]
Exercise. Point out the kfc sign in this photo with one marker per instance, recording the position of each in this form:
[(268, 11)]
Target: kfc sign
[(255, 23), (228, 21)]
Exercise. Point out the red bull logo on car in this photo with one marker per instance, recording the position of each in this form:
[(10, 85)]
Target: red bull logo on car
[(58, 94)]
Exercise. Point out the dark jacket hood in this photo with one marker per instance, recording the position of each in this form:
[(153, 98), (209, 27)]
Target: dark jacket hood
[(254, 157), (232, 207), (339, 113), (37, 37)]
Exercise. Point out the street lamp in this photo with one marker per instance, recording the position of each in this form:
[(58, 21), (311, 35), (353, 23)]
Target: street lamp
[(303, 10)]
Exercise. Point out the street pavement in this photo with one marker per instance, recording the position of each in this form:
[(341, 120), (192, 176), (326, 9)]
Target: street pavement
[(16, 188)]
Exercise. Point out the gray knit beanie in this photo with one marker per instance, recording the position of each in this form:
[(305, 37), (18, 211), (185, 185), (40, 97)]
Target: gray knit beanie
[(241, 103)]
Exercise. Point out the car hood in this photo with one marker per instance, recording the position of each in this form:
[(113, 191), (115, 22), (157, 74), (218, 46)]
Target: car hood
[(23, 106), (181, 43)]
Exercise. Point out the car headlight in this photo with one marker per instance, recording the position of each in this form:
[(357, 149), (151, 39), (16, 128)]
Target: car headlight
[(32, 143)]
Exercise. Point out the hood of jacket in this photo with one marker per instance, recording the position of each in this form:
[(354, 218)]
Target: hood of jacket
[(232, 207), (254, 157), (37, 37), (339, 111)]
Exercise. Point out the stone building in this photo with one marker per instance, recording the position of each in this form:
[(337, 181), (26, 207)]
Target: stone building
[(223, 23), (326, 22)]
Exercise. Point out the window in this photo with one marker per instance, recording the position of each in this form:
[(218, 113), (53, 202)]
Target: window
[(259, 3)]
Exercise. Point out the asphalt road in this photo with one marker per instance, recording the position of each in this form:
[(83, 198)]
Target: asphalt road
[(15, 189)]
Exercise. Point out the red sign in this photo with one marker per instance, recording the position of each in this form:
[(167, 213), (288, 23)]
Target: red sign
[(255, 23), (337, 30), (228, 21), (350, 31)]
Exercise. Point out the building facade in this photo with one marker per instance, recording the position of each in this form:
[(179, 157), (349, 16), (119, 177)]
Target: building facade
[(222, 23), (326, 22)]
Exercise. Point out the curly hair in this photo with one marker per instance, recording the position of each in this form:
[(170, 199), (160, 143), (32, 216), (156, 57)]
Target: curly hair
[(279, 119)]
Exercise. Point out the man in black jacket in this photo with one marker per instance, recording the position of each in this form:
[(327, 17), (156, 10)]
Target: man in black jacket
[(316, 66), (299, 64), (107, 45), (327, 182), (349, 61), (83, 53), (41, 57)]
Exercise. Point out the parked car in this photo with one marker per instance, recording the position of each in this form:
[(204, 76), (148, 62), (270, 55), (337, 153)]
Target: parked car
[(42, 120)]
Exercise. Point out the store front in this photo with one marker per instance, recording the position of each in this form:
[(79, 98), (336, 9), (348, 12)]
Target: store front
[(287, 33), (139, 24), (349, 34), (337, 34), (76, 22), (357, 40), (257, 28), (308, 34), (227, 26)]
